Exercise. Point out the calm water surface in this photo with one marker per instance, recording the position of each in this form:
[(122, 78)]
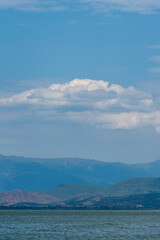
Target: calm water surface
[(79, 225)]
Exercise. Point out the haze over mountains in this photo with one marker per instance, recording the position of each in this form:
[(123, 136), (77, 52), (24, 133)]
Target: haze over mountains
[(34, 174)]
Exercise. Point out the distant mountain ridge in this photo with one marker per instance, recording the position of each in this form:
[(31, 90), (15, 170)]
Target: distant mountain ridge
[(134, 186), (126, 188), (33, 174), (130, 194)]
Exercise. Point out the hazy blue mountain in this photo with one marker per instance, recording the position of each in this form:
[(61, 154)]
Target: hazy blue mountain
[(34, 174), (31, 176)]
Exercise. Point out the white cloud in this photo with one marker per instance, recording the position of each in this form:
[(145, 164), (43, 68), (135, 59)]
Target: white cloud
[(89, 101), (19, 98), (141, 6), (83, 92), (123, 120)]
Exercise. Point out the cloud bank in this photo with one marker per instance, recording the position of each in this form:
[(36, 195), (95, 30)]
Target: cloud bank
[(141, 6), (92, 102)]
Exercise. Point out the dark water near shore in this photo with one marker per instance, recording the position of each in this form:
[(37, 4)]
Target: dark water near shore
[(79, 225)]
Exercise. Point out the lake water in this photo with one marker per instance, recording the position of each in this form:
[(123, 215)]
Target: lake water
[(79, 225)]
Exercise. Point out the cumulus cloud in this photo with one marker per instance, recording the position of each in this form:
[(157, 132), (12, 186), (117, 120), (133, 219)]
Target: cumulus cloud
[(141, 6), (94, 102), (83, 92)]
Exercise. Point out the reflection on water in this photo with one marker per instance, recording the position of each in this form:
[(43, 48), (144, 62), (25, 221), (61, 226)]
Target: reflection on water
[(79, 225)]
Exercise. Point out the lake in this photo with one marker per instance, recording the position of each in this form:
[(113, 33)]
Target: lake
[(79, 225)]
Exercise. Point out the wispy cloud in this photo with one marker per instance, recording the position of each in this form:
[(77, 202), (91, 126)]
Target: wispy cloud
[(33, 5), (92, 102), (72, 22), (122, 120), (155, 59), (155, 47), (142, 6), (155, 70)]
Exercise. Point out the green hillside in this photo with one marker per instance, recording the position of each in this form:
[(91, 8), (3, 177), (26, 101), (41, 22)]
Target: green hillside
[(121, 189), (79, 191), (135, 186)]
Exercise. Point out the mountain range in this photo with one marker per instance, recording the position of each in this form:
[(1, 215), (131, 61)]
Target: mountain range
[(137, 193), (36, 174), (74, 183)]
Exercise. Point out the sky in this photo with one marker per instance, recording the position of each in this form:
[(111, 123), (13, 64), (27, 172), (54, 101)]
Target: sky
[(80, 79)]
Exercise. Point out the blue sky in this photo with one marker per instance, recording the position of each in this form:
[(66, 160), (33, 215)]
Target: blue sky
[(80, 79)]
